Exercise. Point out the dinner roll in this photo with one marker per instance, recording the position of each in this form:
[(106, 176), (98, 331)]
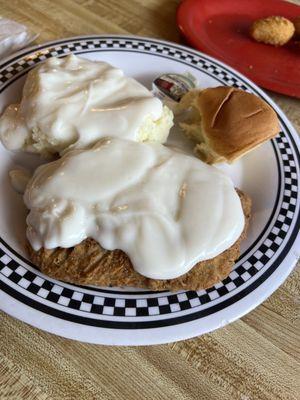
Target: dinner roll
[(226, 122)]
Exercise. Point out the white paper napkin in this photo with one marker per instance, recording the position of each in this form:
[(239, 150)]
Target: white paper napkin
[(13, 37)]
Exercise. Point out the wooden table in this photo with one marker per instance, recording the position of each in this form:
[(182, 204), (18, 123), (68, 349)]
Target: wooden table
[(253, 358)]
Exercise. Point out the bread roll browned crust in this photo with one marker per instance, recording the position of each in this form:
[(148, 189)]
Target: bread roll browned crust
[(89, 264), (232, 122)]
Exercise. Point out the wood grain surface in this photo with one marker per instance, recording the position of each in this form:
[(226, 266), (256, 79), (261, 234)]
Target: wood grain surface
[(256, 357)]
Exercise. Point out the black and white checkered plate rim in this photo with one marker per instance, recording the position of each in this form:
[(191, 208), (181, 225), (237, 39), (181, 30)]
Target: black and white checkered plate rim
[(127, 309)]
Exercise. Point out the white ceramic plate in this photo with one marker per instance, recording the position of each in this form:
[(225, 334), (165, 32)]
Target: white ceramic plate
[(270, 175)]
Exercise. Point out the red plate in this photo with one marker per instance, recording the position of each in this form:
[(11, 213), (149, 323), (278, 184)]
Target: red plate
[(220, 28)]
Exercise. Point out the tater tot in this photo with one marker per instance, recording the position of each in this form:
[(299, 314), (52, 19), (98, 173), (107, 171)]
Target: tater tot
[(272, 30)]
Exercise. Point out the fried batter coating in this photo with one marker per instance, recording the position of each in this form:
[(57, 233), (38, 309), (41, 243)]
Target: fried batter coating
[(273, 30), (88, 263)]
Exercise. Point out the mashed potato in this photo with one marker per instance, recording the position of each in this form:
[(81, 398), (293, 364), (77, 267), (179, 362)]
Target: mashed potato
[(72, 102)]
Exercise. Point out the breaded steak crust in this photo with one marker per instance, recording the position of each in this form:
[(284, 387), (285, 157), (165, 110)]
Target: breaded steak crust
[(89, 264)]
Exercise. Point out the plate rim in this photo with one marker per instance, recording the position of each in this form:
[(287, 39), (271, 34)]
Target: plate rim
[(193, 41), (183, 47), (226, 67)]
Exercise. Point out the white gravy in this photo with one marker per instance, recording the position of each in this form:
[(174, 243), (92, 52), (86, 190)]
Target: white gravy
[(165, 209)]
